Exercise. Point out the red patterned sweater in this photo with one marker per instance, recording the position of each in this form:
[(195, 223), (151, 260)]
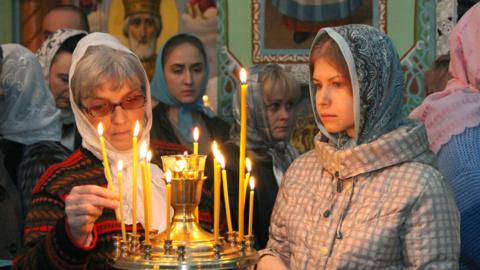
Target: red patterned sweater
[(47, 240)]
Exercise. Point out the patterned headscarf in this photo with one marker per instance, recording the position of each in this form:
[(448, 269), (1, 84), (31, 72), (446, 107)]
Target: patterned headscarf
[(377, 82), (451, 111), (160, 92), (259, 137), (50, 46), (45, 56), (27, 110)]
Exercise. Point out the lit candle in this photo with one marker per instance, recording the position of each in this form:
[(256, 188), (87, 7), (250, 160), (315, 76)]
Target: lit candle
[(134, 175), (195, 140), (243, 142), (216, 193), (168, 180), (149, 189), (106, 166), (120, 190), (196, 134), (143, 153), (250, 212), (248, 164), (221, 160)]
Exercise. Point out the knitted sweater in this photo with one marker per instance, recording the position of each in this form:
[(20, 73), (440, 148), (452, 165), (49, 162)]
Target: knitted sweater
[(48, 243), (459, 161)]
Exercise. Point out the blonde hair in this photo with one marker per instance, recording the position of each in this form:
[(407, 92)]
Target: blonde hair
[(101, 65), (275, 78)]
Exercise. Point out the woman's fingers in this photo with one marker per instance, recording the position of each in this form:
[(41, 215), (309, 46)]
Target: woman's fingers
[(83, 209), (92, 200), (95, 190)]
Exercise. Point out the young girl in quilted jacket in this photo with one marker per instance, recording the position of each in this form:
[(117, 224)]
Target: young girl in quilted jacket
[(367, 196)]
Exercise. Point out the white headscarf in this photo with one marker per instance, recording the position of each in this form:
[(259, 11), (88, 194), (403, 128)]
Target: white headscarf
[(27, 109), (91, 142)]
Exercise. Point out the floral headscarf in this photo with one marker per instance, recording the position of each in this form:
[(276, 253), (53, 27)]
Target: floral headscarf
[(27, 110), (377, 82), (50, 46)]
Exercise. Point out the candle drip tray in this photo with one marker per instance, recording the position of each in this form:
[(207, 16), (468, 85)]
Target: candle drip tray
[(196, 254), (185, 245)]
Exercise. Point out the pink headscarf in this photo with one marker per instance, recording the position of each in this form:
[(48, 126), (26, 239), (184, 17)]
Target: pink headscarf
[(456, 108)]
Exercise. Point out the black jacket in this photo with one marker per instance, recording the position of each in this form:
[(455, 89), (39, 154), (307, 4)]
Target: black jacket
[(266, 189)]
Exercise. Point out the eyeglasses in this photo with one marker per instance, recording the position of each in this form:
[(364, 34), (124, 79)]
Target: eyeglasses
[(106, 108)]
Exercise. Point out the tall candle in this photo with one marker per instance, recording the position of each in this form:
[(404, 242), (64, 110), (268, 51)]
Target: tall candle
[(134, 175), (248, 164), (243, 141), (106, 166), (120, 190), (195, 140), (149, 189), (143, 153), (216, 193), (196, 134), (168, 180), (250, 212), (226, 199)]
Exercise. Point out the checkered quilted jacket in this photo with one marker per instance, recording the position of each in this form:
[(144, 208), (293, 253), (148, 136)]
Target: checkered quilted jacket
[(379, 205)]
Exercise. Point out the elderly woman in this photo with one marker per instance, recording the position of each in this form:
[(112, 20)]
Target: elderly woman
[(368, 195), (55, 56), (272, 98), (72, 217)]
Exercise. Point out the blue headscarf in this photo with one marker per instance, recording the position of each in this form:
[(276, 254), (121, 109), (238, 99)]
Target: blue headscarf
[(161, 92), (377, 83)]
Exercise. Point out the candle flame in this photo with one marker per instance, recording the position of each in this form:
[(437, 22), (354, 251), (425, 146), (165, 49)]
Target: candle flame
[(137, 129), (100, 129), (180, 165), (120, 165), (214, 149), (243, 76), (248, 164), (196, 134), (168, 176), (252, 183), (143, 150), (221, 160), (149, 155)]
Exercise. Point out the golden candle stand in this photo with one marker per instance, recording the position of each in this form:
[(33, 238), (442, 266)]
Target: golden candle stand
[(185, 245)]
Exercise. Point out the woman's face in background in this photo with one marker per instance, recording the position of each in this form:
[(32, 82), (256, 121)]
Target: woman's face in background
[(280, 114), (184, 71), (58, 79)]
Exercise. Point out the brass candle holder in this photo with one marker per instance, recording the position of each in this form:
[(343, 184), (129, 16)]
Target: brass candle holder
[(186, 246)]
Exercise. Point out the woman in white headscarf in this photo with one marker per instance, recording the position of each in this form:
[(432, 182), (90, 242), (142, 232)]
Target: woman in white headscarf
[(29, 121), (72, 217), (55, 57)]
